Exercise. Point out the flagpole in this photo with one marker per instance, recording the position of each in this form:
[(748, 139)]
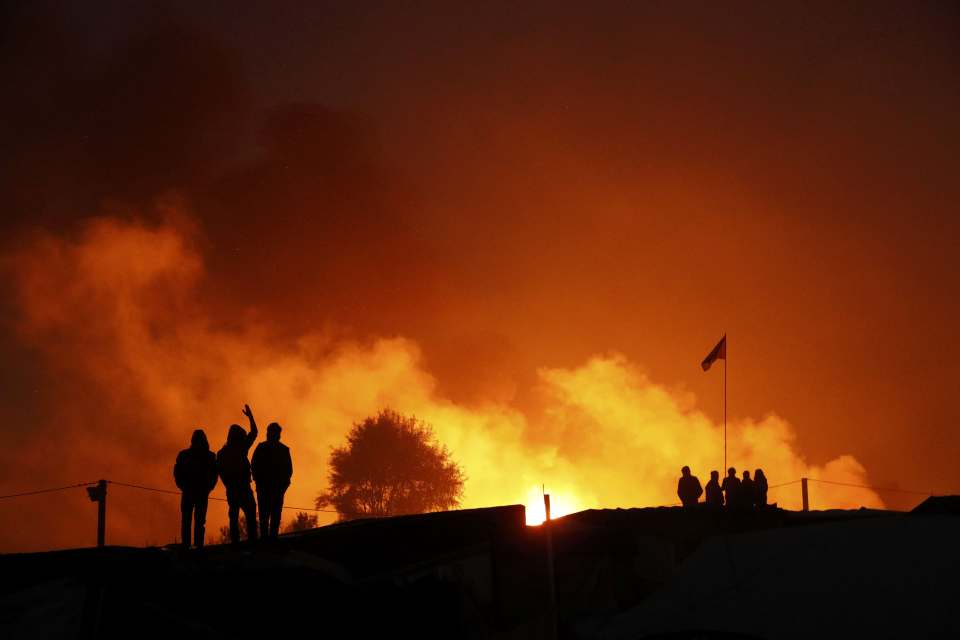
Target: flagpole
[(719, 352)]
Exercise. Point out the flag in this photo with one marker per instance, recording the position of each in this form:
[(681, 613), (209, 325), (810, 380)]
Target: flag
[(719, 353)]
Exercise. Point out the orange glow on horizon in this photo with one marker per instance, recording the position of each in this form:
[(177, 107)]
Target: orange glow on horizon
[(560, 505), (607, 435)]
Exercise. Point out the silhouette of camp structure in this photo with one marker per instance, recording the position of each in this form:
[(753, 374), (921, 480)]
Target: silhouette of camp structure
[(731, 566), (482, 573)]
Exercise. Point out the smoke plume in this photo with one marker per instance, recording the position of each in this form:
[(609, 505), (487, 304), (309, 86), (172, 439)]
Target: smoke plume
[(137, 359)]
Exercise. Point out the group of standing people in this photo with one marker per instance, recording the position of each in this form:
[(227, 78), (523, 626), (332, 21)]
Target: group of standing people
[(734, 493), (197, 469)]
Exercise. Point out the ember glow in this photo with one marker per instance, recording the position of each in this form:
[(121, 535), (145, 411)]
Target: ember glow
[(525, 226), (560, 505), (606, 436)]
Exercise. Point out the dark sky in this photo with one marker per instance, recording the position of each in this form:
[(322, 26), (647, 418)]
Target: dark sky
[(521, 185)]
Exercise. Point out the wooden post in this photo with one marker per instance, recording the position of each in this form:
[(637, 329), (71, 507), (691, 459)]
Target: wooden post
[(551, 581), (806, 496), (98, 494)]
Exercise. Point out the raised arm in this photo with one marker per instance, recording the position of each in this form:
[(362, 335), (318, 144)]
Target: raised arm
[(252, 436)]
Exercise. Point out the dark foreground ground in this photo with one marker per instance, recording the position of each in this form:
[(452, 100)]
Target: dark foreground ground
[(625, 573)]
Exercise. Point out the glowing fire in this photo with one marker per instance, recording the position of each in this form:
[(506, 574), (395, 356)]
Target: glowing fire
[(560, 505), (607, 435)]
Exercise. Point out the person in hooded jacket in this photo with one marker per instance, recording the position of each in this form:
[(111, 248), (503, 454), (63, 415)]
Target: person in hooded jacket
[(747, 491), (731, 489), (195, 473), (688, 488), (760, 488), (234, 468), (714, 497), (272, 469)]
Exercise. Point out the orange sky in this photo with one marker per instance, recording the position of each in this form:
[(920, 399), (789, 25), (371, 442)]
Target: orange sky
[(474, 206)]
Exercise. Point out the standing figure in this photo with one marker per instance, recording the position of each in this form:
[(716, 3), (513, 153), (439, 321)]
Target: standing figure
[(272, 469), (760, 485), (714, 497), (195, 473), (688, 488), (731, 488), (235, 473), (747, 491)]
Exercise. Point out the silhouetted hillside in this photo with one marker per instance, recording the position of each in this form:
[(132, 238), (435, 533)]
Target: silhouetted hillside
[(481, 573)]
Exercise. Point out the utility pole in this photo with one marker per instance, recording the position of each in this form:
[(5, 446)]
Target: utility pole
[(98, 494), (804, 494)]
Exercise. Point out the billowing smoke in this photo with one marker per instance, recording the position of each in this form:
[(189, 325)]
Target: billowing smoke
[(137, 358), (531, 256)]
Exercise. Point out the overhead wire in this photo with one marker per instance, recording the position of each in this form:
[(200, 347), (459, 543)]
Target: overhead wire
[(783, 484), (142, 488), (50, 490), (295, 508), (177, 493), (863, 486)]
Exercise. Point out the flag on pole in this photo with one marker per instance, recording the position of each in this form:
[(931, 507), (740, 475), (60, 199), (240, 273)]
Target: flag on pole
[(719, 353)]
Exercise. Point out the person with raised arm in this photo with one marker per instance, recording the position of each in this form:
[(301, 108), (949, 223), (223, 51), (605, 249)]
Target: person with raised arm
[(234, 469)]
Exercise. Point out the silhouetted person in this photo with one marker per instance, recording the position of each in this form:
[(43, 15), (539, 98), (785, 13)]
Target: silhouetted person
[(234, 471), (731, 488), (714, 497), (272, 469), (195, 473), (688, 488), (748, 491), (760, 487)]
